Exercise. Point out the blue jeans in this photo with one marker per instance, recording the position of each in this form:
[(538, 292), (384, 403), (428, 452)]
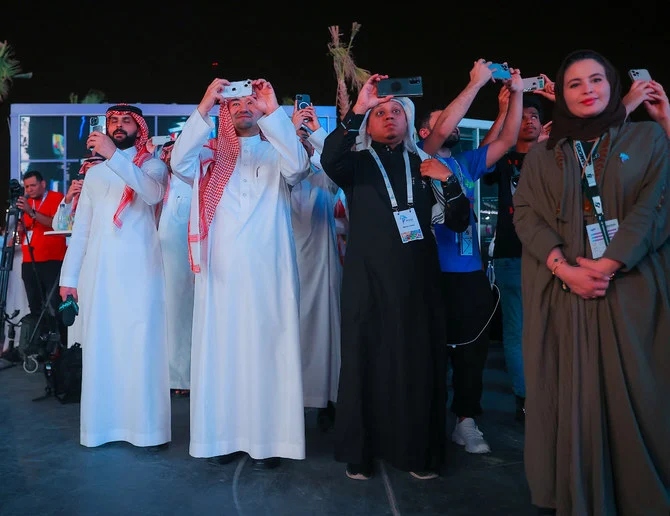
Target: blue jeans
[(508, 280)]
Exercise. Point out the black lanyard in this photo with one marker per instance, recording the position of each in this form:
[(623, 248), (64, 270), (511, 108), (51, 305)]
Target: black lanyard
[(590, 186)]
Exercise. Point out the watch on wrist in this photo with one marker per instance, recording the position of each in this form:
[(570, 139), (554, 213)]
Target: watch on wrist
[(451, 180)]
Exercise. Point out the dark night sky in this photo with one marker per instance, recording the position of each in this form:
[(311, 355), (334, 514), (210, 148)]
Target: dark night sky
[(164, 53)]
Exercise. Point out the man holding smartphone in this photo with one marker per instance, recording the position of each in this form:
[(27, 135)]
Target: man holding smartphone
[(468, 316), (246, 313), (113, 269)]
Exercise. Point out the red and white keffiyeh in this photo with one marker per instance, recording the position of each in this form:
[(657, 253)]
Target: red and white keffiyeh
[(214, 175), (142, 155)]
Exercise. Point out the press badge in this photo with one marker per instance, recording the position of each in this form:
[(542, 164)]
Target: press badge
[(408, 225), (464, 241), (28, 238), (596, 239)]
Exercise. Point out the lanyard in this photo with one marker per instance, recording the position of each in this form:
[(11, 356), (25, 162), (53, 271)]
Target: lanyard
[(590, 186), (41, 202), (389, 188)]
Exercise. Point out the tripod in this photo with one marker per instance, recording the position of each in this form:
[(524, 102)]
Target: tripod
[(10, 239)]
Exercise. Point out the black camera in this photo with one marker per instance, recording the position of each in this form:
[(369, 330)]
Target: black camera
[(15, 191)]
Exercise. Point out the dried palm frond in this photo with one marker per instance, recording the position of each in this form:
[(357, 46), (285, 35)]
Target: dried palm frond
[(92, 97), (345, 67), (9, 68)]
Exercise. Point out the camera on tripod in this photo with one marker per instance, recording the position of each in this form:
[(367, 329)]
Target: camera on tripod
[(15, 191)]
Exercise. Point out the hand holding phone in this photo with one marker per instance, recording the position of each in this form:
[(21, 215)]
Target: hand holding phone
[(500, 71), (303, 100)]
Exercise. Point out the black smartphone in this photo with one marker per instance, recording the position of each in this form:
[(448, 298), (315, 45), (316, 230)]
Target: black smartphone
[(402, 87), (303, 100)]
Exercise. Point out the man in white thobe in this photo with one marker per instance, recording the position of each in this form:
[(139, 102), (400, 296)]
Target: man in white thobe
[(315, 228), (113, 268), (179, 278), (246, 386)]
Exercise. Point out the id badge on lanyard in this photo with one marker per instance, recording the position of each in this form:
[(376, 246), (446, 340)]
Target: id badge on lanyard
[(600, 233), (408, 225), (406, 220)]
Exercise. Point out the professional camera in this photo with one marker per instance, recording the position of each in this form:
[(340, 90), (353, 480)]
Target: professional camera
[(15, 191)]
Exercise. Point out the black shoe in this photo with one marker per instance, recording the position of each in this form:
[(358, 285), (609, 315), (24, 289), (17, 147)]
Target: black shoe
[(267, 463), (158, 447), (226, 459), (325, 418), (520, 415)]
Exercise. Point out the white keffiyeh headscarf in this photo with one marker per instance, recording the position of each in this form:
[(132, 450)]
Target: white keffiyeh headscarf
[(364, 141)]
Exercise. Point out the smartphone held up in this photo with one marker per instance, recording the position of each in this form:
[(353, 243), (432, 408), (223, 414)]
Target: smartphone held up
[(97, 123), (237, 89), (402, 87), (639, 74)]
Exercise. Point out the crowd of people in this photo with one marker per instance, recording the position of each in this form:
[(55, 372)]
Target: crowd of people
[(212, 267)]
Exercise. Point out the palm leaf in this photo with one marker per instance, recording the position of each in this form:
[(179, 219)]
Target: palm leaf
[(9, 68)]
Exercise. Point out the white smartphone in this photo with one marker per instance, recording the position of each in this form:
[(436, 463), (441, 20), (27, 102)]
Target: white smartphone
[(160, 140), (97, 123), (639, 74), (237, 89), (533, 83)]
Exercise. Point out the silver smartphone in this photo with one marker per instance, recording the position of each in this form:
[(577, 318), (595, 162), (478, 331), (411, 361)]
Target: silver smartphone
[(237, 89), (97, 123), (533, 83), (639, 74)]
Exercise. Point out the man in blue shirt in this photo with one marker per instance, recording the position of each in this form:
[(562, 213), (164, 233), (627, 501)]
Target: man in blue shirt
[(468, 296)]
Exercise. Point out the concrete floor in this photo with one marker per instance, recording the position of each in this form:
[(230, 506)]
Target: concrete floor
[(44, 470)]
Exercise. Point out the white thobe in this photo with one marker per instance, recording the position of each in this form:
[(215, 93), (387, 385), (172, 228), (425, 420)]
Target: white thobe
[(246, 387), (118, 273), (179, 280), (313, 206)]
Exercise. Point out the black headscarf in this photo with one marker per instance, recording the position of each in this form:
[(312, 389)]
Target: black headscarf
[(567, 125)]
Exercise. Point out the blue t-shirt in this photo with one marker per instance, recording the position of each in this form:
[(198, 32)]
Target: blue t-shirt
[(459, 252)]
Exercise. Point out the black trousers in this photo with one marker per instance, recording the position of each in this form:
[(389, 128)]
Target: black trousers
[(469, 302), (39, 279)]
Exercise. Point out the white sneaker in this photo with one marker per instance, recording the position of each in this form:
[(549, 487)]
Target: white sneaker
[(467, 434)]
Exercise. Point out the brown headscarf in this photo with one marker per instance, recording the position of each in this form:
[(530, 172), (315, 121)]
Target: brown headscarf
[(567, 125)]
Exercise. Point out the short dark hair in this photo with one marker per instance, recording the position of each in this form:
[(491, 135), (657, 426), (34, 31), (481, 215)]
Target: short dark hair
[(423, 122), (531, 100), (33, 173)]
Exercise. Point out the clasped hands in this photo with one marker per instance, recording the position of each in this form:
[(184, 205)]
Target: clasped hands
[(589, 279)]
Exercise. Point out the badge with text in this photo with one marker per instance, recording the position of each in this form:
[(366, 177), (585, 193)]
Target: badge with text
[(408, 225), (596, 239)]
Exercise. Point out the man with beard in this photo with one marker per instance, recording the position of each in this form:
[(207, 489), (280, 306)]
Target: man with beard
[(507, 247), (246, 390), (467, 292), (391, 402), (113, 268)]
